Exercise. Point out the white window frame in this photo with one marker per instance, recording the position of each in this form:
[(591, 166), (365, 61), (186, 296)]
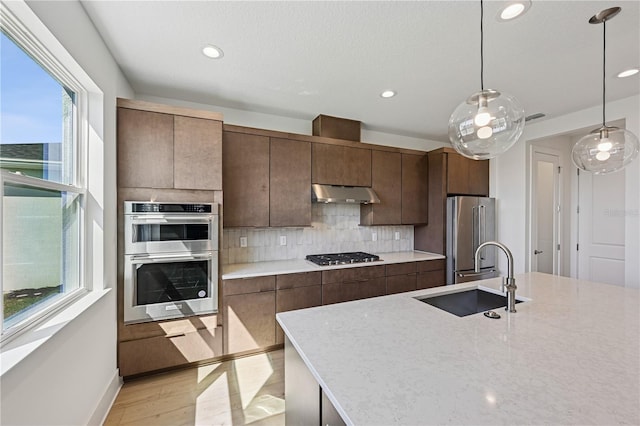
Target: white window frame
[(30, 44)]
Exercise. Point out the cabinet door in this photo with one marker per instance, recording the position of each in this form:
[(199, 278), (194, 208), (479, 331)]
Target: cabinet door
[(386, 178), (401, 283), (466, 176), (415, 189), (145, 149), (197, 153), (431, 279), (249, 321), (341, 165), (245, 179), (296, 298), (431, 273), (401, 277), (290, 183)]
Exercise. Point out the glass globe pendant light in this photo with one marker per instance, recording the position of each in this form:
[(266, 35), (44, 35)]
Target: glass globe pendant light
[(606, 149), (489, 122)]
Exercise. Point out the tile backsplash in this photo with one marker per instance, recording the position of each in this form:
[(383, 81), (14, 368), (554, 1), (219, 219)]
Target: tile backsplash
[(334, 228)]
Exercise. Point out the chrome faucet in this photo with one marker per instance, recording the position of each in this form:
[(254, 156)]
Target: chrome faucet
[(508, 282)]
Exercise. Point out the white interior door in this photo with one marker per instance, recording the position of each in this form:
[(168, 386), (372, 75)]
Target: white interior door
[(545, 212), (601, 227)]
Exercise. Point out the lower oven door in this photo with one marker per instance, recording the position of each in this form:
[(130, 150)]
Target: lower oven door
[(162, 286)]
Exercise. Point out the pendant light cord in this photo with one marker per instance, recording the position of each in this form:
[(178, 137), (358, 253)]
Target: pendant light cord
[(481, 47), (604, 59)]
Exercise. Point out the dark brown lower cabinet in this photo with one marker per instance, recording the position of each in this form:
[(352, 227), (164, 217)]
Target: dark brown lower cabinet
[(296, 298), (401, 283), (160, 345), (297, 291), (401, 277), (343, 285), (354, 290), (431, 274), (248, 307)]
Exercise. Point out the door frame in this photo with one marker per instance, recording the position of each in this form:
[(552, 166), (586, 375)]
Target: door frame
[(558, 223)]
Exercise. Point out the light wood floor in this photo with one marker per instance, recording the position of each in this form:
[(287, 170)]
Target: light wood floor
[(247, 390)]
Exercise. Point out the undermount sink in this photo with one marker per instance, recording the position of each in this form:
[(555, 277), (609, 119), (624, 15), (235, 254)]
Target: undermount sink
[(466, 302)]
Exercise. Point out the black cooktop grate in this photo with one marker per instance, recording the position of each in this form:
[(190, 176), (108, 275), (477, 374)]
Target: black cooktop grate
[(342, 258)]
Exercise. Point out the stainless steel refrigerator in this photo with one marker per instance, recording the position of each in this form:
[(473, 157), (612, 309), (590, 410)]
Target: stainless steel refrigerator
[(470, 222)]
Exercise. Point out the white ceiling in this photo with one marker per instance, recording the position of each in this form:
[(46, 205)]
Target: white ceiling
[(301, 59)]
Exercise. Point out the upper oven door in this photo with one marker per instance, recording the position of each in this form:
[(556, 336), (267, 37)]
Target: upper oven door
[(163, 233)]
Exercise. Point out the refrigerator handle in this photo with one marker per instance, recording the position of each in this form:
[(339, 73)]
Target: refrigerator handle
[(474, 232), (481, 226)]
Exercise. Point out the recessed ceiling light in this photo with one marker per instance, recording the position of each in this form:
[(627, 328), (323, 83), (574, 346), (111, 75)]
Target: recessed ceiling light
[(213, 52), (512, 10), (387, 94), (628, 73)]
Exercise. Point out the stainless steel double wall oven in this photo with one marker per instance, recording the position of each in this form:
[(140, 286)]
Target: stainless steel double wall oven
[(170, 260)]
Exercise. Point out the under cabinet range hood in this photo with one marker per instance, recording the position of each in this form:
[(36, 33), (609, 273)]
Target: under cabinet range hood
[(343, 194)]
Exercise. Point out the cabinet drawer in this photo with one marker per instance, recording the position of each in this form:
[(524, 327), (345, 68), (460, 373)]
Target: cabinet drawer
[(431, 265), (248, 285), (401, 268), (430, 279), (346, 291), (401, 283), (353, 274), (164, 328), (303, 279), (155, 353)]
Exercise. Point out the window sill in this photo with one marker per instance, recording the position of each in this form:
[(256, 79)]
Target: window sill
[(19, 348)]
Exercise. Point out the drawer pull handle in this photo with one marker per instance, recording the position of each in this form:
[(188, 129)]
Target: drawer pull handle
[(171, 336)]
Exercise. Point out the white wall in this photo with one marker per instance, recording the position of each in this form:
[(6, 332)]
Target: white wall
[(293, 125), (508, 181), (71, 378)]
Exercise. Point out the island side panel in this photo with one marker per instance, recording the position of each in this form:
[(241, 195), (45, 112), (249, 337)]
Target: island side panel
[(301, 390)]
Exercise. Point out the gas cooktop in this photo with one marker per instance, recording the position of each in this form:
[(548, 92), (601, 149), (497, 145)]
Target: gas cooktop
[(342, 258)]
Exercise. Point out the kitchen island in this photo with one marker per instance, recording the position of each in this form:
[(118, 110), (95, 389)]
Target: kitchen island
[(570, 355)]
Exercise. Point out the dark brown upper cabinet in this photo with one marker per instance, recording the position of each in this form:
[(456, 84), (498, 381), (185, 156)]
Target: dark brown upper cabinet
[(386, 181), (415, 189), (162, 146), (290, 183), (145, 149), (245, 177), (197, 153), (341, 165), (466, 176)]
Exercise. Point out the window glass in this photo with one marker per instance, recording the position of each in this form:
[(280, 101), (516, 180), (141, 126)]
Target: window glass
[(36, 135), (41, 212), (40, 249)]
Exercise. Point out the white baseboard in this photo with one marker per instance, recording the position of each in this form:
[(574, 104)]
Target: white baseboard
[(104, 405)]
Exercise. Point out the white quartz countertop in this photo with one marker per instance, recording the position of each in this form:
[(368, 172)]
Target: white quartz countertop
[(570, 355), (257, 269)]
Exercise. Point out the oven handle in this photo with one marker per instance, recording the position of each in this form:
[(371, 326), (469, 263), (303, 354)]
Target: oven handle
[(155, 258), (170, 219)]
